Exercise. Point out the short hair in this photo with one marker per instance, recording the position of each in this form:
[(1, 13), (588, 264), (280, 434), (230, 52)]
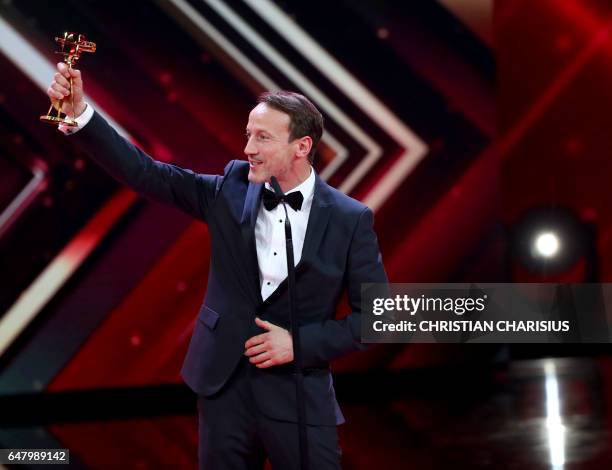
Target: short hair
[(304, 118)]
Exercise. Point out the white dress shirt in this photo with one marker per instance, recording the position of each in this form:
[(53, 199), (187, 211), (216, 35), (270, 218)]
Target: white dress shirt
[(270, 237), (81, 121), (269, 228)]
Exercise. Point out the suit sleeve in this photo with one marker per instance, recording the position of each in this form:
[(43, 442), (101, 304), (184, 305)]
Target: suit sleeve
[(191, 192), (322, 342)]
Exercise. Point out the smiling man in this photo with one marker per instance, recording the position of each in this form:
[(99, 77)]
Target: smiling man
[(240, 357)]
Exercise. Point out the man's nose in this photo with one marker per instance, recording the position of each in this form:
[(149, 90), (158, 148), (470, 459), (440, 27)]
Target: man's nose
[(250, 148)]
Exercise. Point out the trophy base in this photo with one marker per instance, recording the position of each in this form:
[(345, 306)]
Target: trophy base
[(59, 120)]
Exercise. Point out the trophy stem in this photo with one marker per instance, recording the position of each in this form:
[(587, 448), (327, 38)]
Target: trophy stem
[(72, 99)]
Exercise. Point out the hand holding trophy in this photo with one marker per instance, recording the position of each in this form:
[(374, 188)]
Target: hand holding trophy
[(67, 82)]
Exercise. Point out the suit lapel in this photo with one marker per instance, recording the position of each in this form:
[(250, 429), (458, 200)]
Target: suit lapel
[(317, 221), (247, 227)]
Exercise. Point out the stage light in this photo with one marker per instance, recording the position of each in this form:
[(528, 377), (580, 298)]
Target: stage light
[(546, 245), (553, 244)]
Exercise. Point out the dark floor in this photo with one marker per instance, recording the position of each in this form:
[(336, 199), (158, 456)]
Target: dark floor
[(545, 413)]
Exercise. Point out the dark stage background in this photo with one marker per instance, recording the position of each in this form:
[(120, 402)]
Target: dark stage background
[(463, 124)]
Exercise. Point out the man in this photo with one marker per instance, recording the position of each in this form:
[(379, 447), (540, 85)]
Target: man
[(240, 357)]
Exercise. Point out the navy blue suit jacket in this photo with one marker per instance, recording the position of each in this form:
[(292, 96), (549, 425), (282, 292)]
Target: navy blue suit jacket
[(340, 252)]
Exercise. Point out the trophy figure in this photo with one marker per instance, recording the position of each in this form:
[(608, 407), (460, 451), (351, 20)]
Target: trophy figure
[(71, 46)]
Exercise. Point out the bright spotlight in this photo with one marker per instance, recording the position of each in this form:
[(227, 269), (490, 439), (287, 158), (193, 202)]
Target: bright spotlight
[(552, 243), (546, 245)]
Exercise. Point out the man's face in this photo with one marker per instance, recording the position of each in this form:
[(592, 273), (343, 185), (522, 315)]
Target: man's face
[(268, 149)]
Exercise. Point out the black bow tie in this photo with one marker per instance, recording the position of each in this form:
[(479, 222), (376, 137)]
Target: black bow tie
[(294, 199)]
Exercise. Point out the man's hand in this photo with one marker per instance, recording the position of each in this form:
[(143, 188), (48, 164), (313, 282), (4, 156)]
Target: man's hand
[(273, 348), (59, 89)]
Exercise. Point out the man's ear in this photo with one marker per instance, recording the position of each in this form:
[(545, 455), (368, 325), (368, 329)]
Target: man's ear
[(304, 145)]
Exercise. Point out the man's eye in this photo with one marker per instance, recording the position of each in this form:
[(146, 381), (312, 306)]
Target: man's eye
[(263, 138)]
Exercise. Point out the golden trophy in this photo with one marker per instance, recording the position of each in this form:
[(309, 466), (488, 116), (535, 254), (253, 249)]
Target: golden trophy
[(71, 46)]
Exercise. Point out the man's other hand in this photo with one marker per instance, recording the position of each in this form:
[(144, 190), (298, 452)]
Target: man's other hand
[(273, 348)]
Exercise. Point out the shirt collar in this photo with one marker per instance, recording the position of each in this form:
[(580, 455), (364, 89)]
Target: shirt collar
[(306, 187)]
